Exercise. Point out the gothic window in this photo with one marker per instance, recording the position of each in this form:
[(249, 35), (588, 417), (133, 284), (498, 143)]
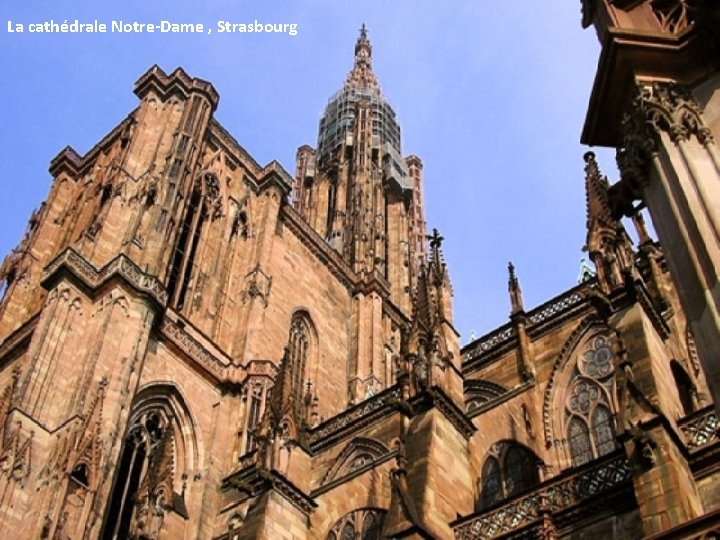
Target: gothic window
[(158, 451), (186, 246), (364, 524), (298, 348), (331, 207), (589, 405), (141, 447), (509, 469), (253, 416)]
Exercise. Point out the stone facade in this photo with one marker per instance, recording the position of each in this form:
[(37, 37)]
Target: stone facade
[(188, 352)]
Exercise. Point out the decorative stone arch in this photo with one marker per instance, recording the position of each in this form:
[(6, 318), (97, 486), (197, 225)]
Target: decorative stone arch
[(361, 524), (581, 399), (480, 391), (671, 108), (588, 324), (167, 395), (356, 455), (160, 452)]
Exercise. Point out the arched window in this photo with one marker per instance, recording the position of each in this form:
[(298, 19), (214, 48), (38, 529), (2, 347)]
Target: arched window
[(159, 451), (183, 258), (509, 469), (364, 524), (204, 204), (148, 439), (298, 349), (589, 419)]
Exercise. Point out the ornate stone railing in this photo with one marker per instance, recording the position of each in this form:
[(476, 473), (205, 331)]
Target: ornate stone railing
[(700, 428), (542, 314), (490, 341), (557, 494), (555, 307)]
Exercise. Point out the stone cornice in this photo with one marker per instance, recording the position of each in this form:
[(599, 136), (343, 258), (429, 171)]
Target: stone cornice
[(436, 398), (394, 314), (626, 56), (19, 336), (177, 82), (274, 175), (317, 245), (70, 162), (372, 282), (67, 160), (352, 420), (254, 481), (71, 262), (220, 135), (383, 405)]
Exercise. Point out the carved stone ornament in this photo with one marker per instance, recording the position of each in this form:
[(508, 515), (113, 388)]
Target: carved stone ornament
[(674, 16), (657, 107)]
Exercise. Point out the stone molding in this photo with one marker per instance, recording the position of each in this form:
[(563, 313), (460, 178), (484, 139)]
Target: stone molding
[(254, 481), (92, 278), (195, 350), (22, 334), (215, 363)]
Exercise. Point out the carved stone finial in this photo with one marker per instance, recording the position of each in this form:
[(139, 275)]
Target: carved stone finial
[(516, 301)]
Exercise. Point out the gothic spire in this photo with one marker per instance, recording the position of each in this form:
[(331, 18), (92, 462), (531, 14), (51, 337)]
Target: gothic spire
[(362, 75), (596, 193)]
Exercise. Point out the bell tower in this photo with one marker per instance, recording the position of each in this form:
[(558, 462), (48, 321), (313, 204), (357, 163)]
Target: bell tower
[(357, 191)]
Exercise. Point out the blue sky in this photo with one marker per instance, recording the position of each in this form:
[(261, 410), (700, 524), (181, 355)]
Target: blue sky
[(491, 95)]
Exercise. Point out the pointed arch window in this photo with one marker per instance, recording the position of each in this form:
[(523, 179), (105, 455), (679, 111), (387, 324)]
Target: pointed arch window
[(509, 469), (185, 249), (589, 418), (204, 204), (158, 452), (147, 438), (299, 348)]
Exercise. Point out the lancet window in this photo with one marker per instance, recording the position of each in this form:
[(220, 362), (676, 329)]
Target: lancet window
[(298, 349), (203, 204)]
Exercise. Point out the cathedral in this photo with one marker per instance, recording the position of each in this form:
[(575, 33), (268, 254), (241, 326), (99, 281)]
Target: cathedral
[(195, 345)]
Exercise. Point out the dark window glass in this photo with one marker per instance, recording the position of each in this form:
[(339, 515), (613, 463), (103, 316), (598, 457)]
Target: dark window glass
[(579, 442), (492, 491)]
